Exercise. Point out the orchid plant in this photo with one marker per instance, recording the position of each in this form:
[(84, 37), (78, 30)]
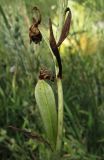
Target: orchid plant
[(51, 115)]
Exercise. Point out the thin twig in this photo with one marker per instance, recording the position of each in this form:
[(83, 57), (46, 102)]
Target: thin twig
[(31, 135)]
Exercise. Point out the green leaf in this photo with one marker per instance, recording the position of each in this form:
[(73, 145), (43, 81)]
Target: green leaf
[(47, 107)]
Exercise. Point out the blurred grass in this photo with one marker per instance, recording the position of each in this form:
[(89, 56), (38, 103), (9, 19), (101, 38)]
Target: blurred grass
[(83, 79)]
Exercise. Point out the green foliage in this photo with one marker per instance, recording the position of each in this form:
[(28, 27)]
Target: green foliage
[(47, 107), (83, 80)]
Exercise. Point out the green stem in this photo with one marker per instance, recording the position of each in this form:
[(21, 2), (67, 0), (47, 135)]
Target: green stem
[(62, 5), (60, 115)]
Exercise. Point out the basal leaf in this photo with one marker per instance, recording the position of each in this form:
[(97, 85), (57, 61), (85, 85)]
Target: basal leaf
[(47, 108)]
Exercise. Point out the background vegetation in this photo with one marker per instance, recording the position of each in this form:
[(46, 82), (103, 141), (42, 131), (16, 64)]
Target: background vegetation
[(83, 79)]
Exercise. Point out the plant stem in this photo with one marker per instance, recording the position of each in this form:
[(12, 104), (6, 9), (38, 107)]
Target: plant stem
[(62, 5), (60, 115)]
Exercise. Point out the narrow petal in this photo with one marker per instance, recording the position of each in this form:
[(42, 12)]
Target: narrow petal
[(66, 27)]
